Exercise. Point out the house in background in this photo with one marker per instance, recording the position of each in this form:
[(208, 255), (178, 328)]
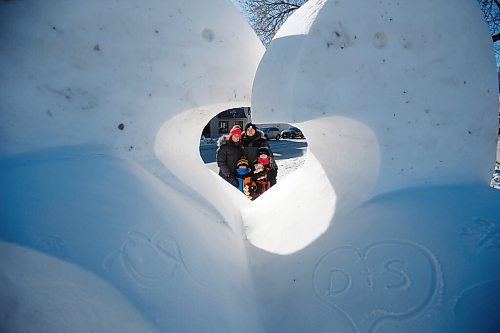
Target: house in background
[(225, 120)]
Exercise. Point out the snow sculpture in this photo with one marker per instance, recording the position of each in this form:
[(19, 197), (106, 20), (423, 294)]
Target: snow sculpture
[(389, 227), (387, 103), (90, 95), (401, 120)]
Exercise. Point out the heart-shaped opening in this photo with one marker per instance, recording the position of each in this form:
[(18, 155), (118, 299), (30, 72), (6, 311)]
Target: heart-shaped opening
[(299, 208), (286, 144), (334, 179)]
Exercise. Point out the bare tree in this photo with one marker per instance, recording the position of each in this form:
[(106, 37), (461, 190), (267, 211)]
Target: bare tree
[(267, 16), (491, 11)]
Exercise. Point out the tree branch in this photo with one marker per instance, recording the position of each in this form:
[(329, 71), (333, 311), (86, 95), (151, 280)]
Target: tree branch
[(496, 37)]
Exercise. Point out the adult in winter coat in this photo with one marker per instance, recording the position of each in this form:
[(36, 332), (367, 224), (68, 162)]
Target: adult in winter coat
[(253, 140), (229, 152)]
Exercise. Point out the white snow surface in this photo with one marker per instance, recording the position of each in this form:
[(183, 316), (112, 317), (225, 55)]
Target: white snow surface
[(110, 222)]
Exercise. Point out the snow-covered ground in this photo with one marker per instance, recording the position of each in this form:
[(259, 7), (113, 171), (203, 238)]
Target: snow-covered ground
[(289, 165)]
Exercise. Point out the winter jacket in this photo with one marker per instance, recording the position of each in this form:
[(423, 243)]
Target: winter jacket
[(228, 154), (251, 145), (259, 184), (244, 177), (271, 170)]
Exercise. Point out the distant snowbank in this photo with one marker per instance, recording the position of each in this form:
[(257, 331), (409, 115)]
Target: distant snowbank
[(208, 141), (285, 167)]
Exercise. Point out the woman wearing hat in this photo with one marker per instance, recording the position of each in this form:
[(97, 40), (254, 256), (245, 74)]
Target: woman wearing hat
[(229, 152)]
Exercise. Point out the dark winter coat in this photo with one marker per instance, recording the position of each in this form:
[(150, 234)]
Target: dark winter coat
[(228, 154), (259, 184), (272, 172), (251, 145), (244, 177)]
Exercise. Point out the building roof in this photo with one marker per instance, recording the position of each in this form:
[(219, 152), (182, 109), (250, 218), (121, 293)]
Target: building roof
[(233, 113)]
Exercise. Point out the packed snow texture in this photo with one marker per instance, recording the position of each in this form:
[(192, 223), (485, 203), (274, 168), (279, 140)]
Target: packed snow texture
[(110, 222)]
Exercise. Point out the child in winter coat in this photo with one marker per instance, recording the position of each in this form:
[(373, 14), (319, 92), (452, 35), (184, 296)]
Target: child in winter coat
[(244, 176), (260, 180), (269, 165)]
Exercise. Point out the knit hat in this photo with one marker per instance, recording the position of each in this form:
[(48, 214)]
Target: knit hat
[(235, 130), (250, 125), (263, 150), (242, 161)]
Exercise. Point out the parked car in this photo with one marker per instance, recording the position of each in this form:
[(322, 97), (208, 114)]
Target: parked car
[(271, 133), (292, 133)]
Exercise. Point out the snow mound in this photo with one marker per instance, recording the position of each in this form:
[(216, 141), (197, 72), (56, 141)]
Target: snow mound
[(389, 226)]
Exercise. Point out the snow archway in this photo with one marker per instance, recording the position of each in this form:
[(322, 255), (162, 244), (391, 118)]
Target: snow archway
[(394, 206)]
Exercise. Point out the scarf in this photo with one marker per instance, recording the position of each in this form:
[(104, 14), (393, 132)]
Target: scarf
[(264, 161)]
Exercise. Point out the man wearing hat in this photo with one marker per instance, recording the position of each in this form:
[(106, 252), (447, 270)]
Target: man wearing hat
[(229, 151), (253, 140)]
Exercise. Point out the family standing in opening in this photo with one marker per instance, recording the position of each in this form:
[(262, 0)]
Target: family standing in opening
[(246, 161)]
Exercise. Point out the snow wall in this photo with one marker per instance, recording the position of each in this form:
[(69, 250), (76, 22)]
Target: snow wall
[(97, 231), (109, 216)]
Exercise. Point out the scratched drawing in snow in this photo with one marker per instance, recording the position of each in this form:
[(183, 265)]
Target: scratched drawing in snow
[(381, 272), (485, 232), (149, 261)]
